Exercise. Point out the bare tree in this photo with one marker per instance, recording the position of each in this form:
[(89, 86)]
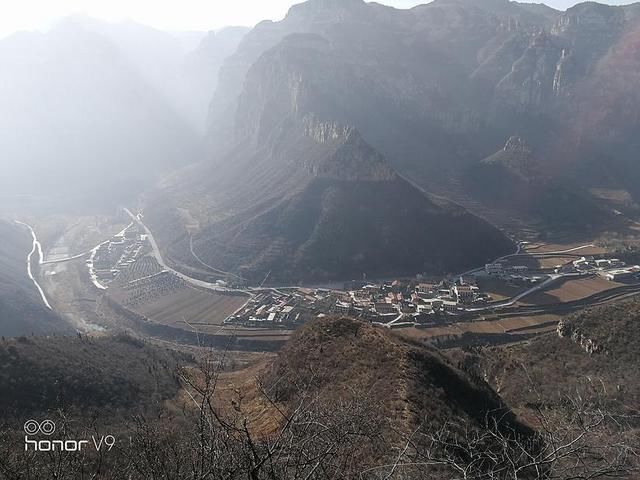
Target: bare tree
[(217, 436)]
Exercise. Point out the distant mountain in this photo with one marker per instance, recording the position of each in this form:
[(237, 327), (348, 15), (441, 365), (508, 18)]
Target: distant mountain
[(326, 205), (201, 67), (513, 181), (22, 311), (92, 111)]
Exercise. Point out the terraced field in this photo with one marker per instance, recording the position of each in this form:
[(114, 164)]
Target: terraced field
[(514, 326), (143, 267), (188, 306), (570, 290)]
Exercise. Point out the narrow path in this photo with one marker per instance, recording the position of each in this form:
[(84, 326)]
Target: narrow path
[(66, 259), (514, 300), (213, 269)]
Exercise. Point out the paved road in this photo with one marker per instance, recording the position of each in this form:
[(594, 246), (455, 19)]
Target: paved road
[(66, 259), (158, 256)]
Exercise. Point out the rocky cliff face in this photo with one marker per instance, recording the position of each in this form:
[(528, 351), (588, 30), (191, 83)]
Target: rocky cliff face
[(300, 191), (517, 145), (434, 87), (352, 159)]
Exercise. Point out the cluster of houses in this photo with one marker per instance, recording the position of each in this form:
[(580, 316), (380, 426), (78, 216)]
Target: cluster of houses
[(612, 269), (388, 302), (516, 275), (408, 301), (500, 269), (289, 307)]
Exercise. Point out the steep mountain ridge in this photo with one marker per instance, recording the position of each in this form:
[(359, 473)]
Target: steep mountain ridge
[(321, 204), (438, 86), (302, 196), (514, 180), (432, 90), (339, 357)]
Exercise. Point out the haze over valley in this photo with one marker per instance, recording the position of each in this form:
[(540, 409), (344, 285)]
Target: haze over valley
[(353, 240)]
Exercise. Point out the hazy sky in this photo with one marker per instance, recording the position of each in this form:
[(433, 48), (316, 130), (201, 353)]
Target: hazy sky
[(170, 14)]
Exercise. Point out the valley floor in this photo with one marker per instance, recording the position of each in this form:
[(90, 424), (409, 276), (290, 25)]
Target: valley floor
[(107, 274)]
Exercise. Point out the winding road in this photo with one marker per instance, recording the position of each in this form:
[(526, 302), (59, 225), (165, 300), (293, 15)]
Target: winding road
[(158, 256)]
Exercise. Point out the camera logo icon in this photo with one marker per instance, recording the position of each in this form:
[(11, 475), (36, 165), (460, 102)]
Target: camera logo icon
[(46, 427)]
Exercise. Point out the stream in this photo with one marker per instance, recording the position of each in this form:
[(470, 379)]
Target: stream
[(36, 249)]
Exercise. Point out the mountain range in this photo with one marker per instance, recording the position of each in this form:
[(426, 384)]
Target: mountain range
[(431, 92), (328, 127)]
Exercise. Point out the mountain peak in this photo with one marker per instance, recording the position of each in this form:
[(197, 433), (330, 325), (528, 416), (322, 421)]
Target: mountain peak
[(351, 159), (325, 9)]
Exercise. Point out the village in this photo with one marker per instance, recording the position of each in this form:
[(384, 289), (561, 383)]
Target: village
[(389, 303), (128, 260), (416, 302)]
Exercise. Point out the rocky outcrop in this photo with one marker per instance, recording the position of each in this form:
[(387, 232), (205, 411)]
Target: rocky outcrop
[(352, 159), (531, 84), (515, 180), (325, 132), (566, 329), (517, 144)]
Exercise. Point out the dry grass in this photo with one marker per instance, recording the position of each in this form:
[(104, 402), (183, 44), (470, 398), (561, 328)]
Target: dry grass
[(561, 366), (553, 261), (570, 290), (238, 391), (558, 247), (190, 305)]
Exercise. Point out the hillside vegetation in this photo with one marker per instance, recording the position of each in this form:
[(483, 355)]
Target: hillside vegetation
[(341, 358), (594, 354), (22, 311), (343, 399), (40, 374)]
